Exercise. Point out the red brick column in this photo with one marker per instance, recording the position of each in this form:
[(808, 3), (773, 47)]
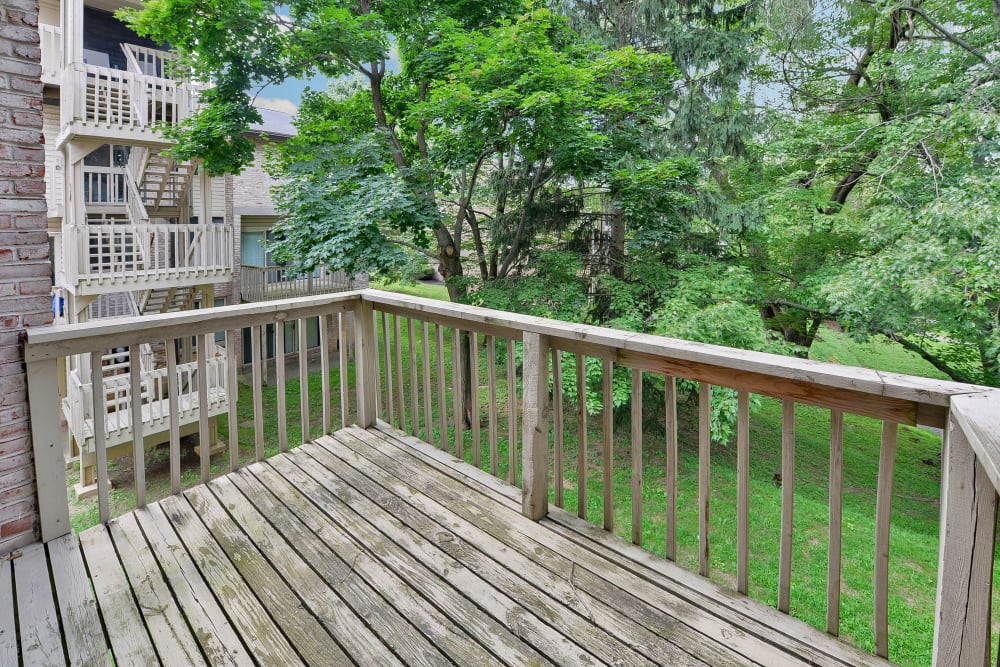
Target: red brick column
[(24, 259)]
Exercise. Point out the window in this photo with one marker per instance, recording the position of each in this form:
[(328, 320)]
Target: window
[(252, 251)]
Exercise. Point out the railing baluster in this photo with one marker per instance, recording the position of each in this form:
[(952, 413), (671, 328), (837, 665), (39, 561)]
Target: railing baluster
[(324, 371), (426, 359), (204, 439), (636, 446), (491, 381), (704, 476), (581, 436), (742, 492), (442, 404), (389, 402), (607, 447), (232, 398), (557, 428), (303, 381), (414, 407), (138, 448), (342, 370), (170, 350), (456, 389), (256, 333), (787, 503), (670, 428), (100, 411), (836, 513), (474, 394), (511, 415), (397, 350), (883, 515), (282, 388)]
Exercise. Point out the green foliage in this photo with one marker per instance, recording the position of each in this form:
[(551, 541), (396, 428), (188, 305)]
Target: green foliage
[(933, 275), (880, 178), (553, 289), (621, 384), (337, 204)]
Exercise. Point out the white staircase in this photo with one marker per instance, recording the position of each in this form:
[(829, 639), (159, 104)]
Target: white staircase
[(166, 300), (165, 183)]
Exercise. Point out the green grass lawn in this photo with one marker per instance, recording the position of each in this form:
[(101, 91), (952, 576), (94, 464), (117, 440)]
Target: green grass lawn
[(914, 540), (426, 290)]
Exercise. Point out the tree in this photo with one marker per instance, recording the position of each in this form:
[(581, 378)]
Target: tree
[(705, 116), (491, 118), (887, 154)]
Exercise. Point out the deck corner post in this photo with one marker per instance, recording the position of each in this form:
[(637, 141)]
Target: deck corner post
[(965, 560), (365, 351), (47, 445), (535, 433)]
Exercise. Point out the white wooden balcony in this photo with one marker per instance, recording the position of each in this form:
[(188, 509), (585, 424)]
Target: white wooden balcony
[(366, 544), (154, 388), (267, 283), (121, 106), (169, 398), (104, 258)]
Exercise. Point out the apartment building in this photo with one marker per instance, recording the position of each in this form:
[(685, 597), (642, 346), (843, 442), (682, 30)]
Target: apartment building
[(136, 232)]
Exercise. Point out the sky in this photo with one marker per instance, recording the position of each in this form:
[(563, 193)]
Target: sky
[(287, 95)]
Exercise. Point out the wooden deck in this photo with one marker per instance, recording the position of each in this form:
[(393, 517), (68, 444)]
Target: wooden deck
[(373, 548)]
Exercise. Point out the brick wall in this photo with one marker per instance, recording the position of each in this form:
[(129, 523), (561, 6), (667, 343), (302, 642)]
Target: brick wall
[(252, 188), (24, 258)]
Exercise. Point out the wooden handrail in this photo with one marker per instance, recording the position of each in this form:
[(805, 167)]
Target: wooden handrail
[(900, 398)]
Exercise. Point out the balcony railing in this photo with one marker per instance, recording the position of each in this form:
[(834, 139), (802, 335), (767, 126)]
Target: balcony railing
[(52, 49), (420, 365), (147, 255), (112, 99), (104, 186), (154, 62), (266, 283)]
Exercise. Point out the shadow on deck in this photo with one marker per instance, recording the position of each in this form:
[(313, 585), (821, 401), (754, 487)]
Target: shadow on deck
[(373, 548)]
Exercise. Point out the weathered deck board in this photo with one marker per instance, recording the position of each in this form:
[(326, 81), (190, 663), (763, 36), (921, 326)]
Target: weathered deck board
[(372, 547), (8, 627), (570, 608), (77, 606), (166, 625), (739, 612), (391, 626), (217, 637), (429, 579), (123, 623), (37, 618)]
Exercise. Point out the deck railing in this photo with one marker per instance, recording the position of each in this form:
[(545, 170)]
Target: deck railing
[(505, 387), (267, 283), (133, 254)]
